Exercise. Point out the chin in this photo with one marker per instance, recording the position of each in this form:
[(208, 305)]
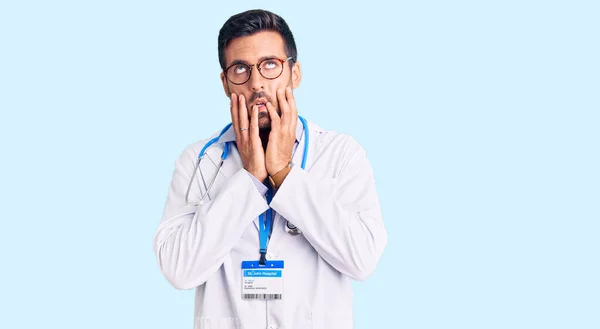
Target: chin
[(264, 126), (264, 123)]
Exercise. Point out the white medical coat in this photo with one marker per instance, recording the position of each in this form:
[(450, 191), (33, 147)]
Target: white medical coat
[(333, 202)]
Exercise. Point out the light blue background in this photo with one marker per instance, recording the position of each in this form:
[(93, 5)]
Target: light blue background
[(481, 120)]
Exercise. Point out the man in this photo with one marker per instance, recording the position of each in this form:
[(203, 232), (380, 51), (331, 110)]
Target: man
[(273, 237)]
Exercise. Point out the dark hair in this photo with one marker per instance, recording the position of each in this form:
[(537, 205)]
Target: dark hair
[(251, 22)]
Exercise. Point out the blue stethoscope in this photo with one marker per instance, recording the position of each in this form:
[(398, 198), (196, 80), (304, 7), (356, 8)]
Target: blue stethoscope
[(291, 229)]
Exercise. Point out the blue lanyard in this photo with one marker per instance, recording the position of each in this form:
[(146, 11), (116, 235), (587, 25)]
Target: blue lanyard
[(265, 222)]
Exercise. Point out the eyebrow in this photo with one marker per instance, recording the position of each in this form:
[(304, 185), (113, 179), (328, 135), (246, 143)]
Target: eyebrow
[(239, 61)]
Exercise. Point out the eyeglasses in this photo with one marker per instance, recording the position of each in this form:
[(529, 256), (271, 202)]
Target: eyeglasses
[(270, 68)]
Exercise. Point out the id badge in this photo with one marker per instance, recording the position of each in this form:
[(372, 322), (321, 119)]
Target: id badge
[(262, 281)]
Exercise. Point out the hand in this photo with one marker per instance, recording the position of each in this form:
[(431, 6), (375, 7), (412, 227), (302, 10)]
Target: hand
[(283, 132), (248, 141)]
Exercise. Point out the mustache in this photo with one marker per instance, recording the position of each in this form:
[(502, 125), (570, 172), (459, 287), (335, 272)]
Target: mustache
[(258, 95)]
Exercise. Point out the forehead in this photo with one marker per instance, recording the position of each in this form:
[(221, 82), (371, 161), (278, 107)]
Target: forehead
[(252, 47)]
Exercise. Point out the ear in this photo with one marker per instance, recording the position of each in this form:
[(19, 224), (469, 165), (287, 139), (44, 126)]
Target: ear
[(296, 75), (225, 85)]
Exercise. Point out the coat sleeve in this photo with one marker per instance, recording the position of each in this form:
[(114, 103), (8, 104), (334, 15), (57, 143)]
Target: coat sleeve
[(192, 242), (340, 217)]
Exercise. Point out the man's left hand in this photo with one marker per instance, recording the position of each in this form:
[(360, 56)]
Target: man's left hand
[(283, 132)]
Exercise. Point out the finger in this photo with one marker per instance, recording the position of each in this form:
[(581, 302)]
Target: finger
[(275, 120), (289, 95), (283, 106), (233, 108), (254, 136), (243, 116)]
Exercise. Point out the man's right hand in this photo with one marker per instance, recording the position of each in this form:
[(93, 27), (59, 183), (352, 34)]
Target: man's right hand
[(248, 140)]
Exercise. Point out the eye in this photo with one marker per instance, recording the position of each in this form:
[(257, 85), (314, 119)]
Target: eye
[(270, 64), (240, 69)]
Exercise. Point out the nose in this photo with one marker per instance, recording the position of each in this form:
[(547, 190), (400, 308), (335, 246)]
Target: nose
[(256, 80)]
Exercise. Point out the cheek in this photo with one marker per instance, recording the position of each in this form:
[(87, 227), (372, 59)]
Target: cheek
[(273, 93), (238, 90), (241, 91)]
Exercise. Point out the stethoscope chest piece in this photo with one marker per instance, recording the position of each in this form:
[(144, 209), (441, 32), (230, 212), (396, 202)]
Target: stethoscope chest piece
[(291, 229)]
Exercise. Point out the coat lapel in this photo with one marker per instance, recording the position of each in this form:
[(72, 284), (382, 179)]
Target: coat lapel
[(231, 165)]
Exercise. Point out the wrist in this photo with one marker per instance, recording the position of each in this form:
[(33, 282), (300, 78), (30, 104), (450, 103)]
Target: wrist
[(274, 170), (261, 176), (277, 179)]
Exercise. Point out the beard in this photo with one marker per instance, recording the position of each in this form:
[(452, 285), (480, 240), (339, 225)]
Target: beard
[(264, 119)]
